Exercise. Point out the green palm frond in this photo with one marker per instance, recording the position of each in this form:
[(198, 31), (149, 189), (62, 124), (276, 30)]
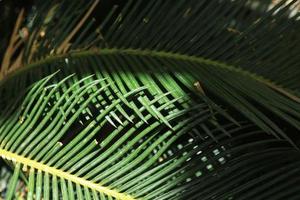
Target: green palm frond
[(37, 136), (155, 99)]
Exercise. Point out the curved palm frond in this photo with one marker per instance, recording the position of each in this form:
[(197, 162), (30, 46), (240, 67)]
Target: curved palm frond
[(149, 160), (36, 136), (178, 50), (149, 103)]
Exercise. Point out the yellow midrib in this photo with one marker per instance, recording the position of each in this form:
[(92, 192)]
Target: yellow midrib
[(59, 173)]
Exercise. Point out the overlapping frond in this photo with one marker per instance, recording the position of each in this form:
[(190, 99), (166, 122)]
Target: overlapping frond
[(224, 55), (75, 139), (81, 137), (147, 97)]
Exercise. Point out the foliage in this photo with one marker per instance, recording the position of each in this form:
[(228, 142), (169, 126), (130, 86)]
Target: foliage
[(156, 99)]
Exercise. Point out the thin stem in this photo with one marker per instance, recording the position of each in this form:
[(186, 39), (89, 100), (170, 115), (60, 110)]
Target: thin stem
[(75, 54)]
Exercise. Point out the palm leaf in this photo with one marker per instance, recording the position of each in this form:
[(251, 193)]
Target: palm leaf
[(138, 102), (48, 116)]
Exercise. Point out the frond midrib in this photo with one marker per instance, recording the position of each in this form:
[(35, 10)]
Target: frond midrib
[(65, 175), (76, 54)]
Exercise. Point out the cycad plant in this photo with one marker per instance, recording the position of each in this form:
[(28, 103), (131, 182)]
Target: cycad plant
[(151, 100)]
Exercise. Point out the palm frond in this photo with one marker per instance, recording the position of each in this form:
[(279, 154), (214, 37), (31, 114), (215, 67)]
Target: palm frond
[(53, 140), (202, 56), (53, 136), (156, 100)]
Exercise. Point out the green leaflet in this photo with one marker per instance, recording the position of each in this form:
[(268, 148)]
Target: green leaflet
[(157, 100)]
